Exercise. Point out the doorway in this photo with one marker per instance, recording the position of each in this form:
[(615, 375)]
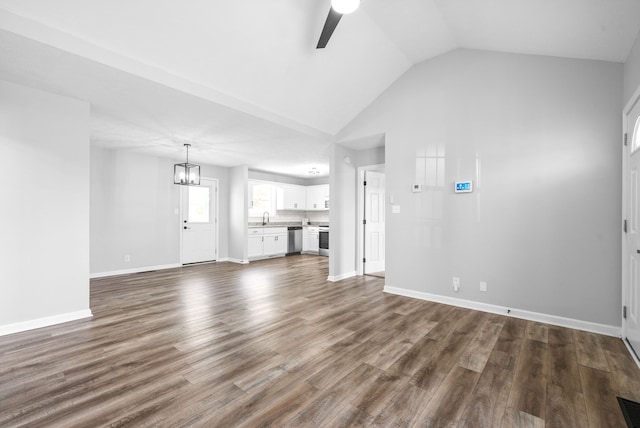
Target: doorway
[(371, 211), (631, 234), (199, 222)]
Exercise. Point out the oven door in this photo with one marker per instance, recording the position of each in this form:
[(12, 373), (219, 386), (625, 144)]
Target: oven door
[(323, 241)]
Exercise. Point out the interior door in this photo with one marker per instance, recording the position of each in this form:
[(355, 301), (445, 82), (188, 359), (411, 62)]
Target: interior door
[(199, 218), (631, 325), (374, 222)]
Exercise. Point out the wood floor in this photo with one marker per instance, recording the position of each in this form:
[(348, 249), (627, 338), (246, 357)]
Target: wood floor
[(273, 343)]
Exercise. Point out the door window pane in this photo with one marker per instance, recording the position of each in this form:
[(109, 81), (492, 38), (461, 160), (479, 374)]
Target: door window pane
[(198, 204)]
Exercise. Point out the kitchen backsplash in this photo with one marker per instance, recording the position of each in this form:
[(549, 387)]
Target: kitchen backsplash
[(283, 216)]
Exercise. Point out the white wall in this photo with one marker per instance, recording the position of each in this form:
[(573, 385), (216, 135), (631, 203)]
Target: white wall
[(238, 213), (368, 157), (632, 71), (342, 217), (133, 211), (44, 223), (540, 138)]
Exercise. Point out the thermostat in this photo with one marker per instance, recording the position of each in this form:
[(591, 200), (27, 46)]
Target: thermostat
[(464, 187), (416, 188)]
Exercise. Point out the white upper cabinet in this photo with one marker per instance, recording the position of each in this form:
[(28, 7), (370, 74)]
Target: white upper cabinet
[(318, 197), (291, 197)]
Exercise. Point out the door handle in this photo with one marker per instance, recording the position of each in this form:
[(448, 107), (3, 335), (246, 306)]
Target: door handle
[(186, 227)]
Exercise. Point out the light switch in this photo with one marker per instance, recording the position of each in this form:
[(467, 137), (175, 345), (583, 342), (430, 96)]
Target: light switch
[(395, 209)]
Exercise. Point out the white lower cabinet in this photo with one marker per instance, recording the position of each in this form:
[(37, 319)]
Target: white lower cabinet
[(256, 246), (310, 241), (267, 242), (275, 244)]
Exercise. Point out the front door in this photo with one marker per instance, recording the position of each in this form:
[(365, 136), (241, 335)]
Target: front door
[(631, 296), (374, 222), (199, 216)]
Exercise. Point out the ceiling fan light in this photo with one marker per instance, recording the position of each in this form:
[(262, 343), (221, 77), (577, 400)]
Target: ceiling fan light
[(345, 6)]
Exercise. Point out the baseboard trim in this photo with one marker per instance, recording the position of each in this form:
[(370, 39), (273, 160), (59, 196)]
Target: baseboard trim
[(43, 322), (335, 278), (134, 270), (607, 330), (232, 260)]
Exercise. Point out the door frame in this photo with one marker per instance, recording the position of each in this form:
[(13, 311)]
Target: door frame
[(216, 216), (625, 206), (360, 214)]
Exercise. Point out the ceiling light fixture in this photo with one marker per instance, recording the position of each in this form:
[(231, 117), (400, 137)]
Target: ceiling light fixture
[(314, 171), (345, 6), (186, 174)]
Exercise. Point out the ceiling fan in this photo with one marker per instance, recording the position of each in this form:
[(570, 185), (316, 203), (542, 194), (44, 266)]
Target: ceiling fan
[(338, 8)]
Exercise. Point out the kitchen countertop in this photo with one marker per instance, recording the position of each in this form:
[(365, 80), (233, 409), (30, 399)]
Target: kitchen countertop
[(259, 224)]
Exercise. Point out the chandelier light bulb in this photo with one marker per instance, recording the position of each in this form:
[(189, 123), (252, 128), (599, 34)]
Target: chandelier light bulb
[(345, 6)]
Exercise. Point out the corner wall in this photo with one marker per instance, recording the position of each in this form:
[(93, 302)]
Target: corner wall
[(44, 223), (238, 213), (540, 138)]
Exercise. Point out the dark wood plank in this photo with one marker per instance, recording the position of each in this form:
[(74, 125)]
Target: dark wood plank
[(600, 398), (590, 353), (528, 393), (450, 400)]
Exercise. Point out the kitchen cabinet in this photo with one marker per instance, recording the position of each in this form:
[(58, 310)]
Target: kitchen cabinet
[(291, 197), (310, 240), (266, 242), (318, 197), (256, 246)]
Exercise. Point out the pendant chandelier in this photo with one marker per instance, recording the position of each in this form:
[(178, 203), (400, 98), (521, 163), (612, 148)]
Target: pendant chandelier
[(186, 174)]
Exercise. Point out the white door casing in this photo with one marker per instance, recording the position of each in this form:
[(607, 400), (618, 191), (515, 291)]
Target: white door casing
[(631, 239), (374, 208), (199, 213)]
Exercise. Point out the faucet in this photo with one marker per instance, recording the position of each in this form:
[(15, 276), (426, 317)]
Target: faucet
[(265, 222)]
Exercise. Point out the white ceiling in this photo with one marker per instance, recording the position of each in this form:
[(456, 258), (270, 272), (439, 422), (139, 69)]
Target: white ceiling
[(242, 81)]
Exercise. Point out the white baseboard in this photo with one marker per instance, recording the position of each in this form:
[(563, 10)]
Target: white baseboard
[(334, 278), (232, 260), (43, 322), (134, 270), (608, 330)]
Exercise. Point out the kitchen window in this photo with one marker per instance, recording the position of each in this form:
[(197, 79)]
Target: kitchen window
[(262, 197)]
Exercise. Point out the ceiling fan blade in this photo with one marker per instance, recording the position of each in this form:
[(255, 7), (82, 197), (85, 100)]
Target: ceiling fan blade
[(330, 24)]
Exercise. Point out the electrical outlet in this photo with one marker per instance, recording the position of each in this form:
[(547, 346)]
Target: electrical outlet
[(127, 258), (483, 286), (456, 283)]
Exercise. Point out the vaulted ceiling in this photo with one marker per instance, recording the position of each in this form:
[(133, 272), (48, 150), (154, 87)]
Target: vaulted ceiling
[(242, 81)]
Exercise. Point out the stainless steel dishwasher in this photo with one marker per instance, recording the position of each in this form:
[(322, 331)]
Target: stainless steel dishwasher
[(294, 242)]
